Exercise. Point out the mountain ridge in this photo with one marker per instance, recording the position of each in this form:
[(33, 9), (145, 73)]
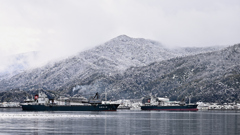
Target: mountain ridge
[(205, 79), (87, 70)]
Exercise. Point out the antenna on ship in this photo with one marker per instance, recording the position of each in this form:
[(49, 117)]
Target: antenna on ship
[(105, 95), (189, 99)]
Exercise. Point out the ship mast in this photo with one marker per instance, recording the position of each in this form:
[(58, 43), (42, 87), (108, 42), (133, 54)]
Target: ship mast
[(105, 95), (189, 99)]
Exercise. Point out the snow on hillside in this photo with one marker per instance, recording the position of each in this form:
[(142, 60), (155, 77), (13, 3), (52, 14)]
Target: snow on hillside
[(207, 77), (113, 57)]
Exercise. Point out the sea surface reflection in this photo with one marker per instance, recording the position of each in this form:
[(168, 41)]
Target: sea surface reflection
[(16, 121)]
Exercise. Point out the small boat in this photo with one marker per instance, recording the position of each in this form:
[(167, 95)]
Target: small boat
[(43, 103), (163, 104), (10, 105), (123, 107)]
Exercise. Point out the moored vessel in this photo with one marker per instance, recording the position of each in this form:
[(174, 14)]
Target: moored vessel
[(43, 103), (163, 104), (122, 107)]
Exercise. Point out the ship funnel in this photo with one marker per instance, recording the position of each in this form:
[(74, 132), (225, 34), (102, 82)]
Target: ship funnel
[(36, 97)]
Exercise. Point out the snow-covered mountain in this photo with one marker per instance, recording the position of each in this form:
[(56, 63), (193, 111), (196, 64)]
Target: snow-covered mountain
[(209, 77), (82, 71)]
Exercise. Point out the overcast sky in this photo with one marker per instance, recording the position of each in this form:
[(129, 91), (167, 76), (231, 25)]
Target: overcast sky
[(64, 27)]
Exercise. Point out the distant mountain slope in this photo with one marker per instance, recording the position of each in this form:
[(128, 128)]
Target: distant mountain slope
[(86, 70), (116, 55), (126, 51), (212, 77)]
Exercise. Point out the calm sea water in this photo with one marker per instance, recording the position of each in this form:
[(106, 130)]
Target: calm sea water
[(15, 121)]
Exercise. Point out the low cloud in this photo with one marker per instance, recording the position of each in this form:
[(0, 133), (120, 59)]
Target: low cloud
[(57, 29)]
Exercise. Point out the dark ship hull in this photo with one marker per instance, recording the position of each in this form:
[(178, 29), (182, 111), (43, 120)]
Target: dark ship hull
[(170, 108), (97, 107)]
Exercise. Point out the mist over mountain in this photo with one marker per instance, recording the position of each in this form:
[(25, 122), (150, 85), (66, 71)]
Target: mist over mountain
[(104, 68), (15, 64)]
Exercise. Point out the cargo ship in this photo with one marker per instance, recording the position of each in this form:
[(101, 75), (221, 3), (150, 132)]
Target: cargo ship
[(41, 102), (163, 104)]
